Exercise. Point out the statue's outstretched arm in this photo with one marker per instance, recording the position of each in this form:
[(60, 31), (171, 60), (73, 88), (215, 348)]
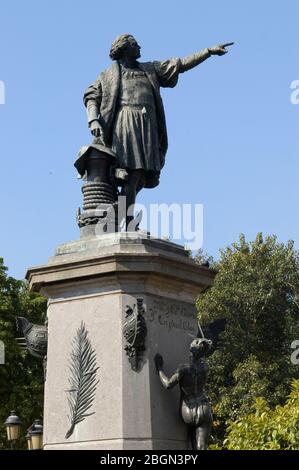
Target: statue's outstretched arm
[(169, 382), (166, 382), (193, 60)]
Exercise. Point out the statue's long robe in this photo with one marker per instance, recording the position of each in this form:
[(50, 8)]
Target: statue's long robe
[(105, 90)]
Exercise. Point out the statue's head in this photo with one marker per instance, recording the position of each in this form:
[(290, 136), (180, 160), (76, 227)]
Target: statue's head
[(125, 46), (200, 347)]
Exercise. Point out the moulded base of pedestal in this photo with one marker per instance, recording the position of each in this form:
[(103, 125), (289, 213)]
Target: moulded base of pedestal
[(122, 444)]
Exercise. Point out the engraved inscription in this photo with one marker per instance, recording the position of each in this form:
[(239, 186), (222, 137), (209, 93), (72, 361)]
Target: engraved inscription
[(172, 315)]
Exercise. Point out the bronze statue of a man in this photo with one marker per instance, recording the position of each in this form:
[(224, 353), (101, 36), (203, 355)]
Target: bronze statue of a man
[(125, 110), (195, 408)]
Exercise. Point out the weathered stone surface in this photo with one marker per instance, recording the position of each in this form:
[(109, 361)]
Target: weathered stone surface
[(93, 283)]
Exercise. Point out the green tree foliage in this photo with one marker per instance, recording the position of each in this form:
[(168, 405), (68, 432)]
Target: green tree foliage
[(202, 257), (21, 377), (255, 289), (265, 428)]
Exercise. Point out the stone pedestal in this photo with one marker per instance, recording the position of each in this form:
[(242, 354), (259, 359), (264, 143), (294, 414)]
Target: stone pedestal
[(92, 281)]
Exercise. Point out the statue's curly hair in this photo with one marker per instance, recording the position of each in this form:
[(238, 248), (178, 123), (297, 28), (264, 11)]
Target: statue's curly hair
[(119, 45)]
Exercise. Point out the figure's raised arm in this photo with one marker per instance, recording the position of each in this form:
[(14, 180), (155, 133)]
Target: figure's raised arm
[(193, 60), (166, 382)]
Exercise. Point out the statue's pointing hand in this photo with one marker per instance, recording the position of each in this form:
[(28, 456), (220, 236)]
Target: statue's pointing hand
[(220, 49)]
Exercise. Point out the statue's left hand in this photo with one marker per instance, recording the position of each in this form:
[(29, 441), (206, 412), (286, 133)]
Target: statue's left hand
[(218, 50), (95, 128), (158, 361)]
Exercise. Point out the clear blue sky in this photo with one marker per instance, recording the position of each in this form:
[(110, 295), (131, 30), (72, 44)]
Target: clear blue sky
[(233, 131)]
